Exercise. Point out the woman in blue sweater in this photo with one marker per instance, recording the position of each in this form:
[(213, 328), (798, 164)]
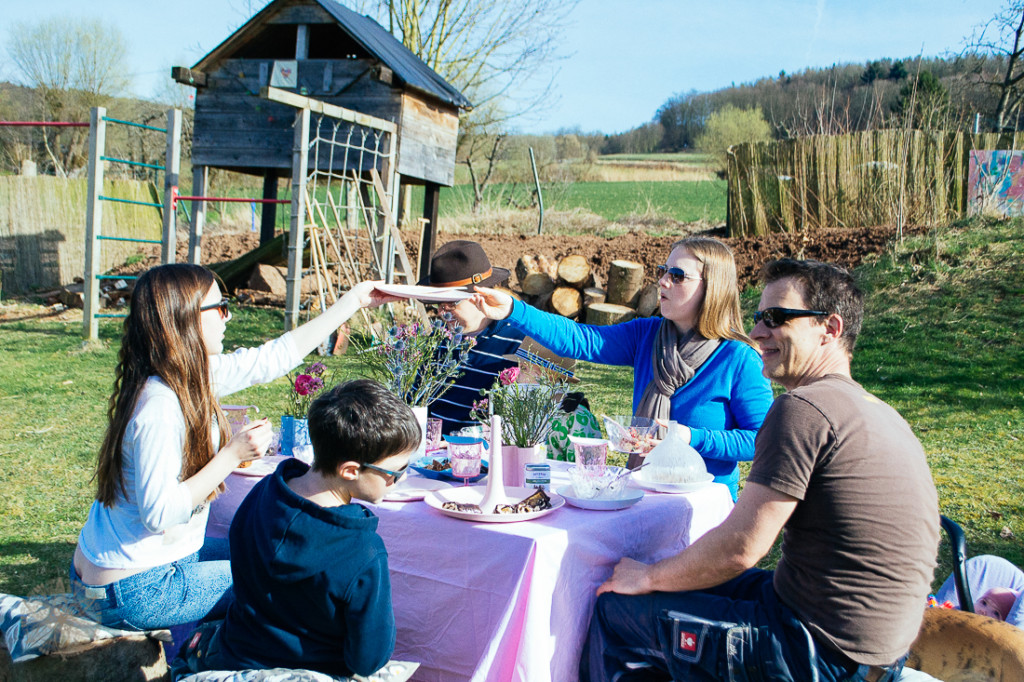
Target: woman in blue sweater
[(694, 365)]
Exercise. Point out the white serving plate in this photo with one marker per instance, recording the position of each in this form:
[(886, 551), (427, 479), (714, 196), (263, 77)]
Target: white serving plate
[(660, 487), (474, 494), (421, 293), (262, 466), (412, 488), (629, 497)]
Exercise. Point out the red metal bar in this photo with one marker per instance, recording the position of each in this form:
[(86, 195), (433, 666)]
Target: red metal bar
[(240, 200), (175, 198), (52, 124)]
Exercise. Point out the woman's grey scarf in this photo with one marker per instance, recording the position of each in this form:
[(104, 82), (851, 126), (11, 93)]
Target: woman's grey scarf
[(675, 358)]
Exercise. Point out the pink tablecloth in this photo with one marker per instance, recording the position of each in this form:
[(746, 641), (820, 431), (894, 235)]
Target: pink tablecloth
[(488, 602)]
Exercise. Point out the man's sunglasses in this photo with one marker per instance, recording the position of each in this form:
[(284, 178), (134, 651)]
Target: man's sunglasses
[(677, 274), (221, 306), (774, 318), (392, 476)]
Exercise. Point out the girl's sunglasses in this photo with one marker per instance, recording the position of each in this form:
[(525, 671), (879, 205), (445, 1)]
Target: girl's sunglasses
[(677, 274), (774, 318), (220, 306)]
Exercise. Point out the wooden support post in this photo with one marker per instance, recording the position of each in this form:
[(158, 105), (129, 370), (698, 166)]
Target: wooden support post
[(428, 237), (398, 248), (200, 174), (93, 223), (300, 168), (302, 41), (172, 168), (268, 217)]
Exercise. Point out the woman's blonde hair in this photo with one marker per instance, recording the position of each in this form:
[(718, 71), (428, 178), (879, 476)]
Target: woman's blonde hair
[(719, 315), (163, 337)]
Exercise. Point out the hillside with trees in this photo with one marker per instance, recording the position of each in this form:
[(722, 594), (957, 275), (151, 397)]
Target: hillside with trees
[(932, 93)]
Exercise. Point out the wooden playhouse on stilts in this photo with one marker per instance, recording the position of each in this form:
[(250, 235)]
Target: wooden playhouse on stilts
[(312, 91)]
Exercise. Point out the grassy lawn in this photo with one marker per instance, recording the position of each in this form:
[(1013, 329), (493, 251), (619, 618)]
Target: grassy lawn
[(613, 201), (684, 158), (943, 342), (685, 201)]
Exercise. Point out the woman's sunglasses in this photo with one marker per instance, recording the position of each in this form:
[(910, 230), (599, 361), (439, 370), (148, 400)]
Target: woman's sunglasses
[(774, 318), (677, 274), (221, 306), (393, 476)]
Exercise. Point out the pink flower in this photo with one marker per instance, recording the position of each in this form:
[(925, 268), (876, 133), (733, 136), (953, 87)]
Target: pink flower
[(508, 376), (306, 384)]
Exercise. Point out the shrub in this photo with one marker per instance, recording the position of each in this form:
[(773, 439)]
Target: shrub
[(731, 125)]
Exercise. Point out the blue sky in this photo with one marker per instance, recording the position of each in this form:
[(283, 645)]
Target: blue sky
[(623, 58)]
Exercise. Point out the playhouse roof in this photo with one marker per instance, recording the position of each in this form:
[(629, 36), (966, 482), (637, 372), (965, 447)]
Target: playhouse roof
[(409, 68)]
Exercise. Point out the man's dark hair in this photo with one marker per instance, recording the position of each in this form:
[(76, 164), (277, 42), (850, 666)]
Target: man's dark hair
[(824, 287), (359, 421)]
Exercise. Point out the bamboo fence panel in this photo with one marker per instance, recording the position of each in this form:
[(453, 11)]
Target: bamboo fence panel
[(42, 228), (870, 178)]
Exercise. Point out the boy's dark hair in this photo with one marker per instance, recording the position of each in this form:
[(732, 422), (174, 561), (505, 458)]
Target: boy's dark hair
[(824, 287), (359, 421)]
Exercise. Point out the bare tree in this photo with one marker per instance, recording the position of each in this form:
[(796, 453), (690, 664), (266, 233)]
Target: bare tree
[(502, 55), (1003, 35), (73, 64)]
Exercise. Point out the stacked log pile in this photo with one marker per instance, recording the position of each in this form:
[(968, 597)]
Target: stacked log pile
[(571, 288)]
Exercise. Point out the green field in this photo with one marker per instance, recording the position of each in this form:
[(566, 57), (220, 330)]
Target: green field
[(943, 343), (685, 158), (613, 201)]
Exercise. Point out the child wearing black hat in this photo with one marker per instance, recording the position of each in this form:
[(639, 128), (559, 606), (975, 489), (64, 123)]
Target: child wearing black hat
[(464, 264)]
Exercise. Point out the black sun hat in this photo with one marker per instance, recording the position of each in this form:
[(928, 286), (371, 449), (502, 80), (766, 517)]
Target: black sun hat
[(462, 263)]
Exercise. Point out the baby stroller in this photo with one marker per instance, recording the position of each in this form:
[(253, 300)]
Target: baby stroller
[(960, 645)]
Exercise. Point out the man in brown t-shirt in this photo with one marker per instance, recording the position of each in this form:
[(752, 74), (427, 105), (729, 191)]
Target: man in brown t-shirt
[(836, 467)]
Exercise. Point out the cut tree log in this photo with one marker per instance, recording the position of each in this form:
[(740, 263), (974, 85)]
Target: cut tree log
[(542, 301), (649, 300), (625, 279), (548, 266), (236, 272), (574, 271), (609, 313), (592, 295), (533, 281), (566, 301)]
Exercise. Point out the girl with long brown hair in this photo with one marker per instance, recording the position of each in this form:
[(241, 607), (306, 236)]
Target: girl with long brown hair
[(695, 365), (141, 562)]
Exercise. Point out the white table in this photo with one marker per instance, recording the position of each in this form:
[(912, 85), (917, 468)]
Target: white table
[(512, 601)]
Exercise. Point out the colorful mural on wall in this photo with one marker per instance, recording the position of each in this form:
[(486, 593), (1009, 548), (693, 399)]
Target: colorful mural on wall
[(995, 183)]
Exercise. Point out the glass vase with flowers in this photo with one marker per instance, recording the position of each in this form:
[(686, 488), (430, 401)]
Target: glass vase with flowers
[(303, 390)]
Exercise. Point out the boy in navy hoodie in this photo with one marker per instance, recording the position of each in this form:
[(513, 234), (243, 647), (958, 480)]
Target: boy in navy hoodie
[(311, 585)]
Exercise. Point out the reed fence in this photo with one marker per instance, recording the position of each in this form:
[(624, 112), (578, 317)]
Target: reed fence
[(882, 177), (42, 228)]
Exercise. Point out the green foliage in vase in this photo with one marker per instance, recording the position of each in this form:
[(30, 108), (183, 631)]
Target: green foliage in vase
[(418, 362)]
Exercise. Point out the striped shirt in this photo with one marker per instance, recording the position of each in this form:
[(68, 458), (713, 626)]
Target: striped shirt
[(480, 368)]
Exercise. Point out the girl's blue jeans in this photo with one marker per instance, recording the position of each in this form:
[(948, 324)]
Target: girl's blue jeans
[(194, 588)]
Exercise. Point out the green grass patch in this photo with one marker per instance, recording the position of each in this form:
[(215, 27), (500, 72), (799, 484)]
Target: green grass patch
[(943, 343), (687, 158), (613, 201)]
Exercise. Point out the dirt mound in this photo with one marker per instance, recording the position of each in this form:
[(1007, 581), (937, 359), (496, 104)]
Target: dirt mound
[(846, 247)]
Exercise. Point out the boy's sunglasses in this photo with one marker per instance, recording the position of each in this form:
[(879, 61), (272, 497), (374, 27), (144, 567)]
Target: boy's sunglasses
[(221, 306), (392, 476), (677, 274), (774, 318)]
